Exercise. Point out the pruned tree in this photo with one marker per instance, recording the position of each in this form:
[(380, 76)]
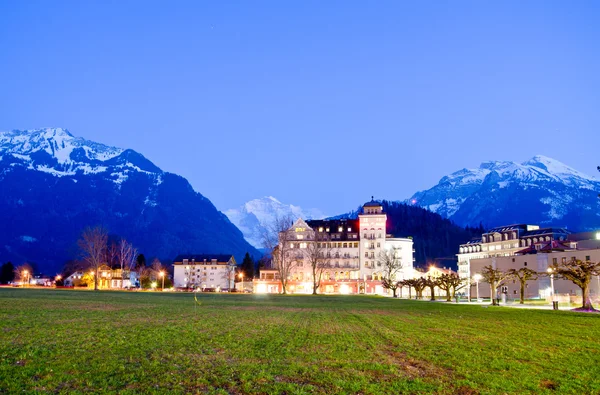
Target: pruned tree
[(522, 275), (450, 283), (494, 277), (431, 283), (277, 238), (93, 247), (419, 285), (391, 265), (580, 273), (318, 255), (408, 283)]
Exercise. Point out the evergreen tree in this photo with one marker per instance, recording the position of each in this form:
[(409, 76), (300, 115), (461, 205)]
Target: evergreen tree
[(7, 273), (248, 266)]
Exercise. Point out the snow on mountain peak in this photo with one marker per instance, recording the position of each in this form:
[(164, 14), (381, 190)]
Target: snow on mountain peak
[(254, 216), (56, 151), (57, 142), (555, 167)]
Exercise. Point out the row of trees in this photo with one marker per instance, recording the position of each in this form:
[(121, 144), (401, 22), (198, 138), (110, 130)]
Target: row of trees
[(578, 272)]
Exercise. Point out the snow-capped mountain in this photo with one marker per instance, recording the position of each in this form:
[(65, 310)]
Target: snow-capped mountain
[(53, 185), (253, 217), (540, 191)]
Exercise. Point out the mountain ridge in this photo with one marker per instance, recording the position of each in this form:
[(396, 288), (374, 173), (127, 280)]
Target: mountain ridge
[(540, 190), (55, 184)]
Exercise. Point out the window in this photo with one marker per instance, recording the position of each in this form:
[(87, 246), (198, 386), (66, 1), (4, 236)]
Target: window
[(525, 264), (378, 244), (340, 229), (302, 245), (366, 254), (320, 229), (555, 260), (291, 245), (327, 230), (349, 229), (587, 257), (299, 237), (513, 259)]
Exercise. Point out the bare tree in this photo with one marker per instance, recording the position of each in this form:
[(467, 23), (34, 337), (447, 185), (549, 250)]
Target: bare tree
[(24, 273), (93, 247), (523, 275), (126, 255), (277, 239), (391, 265), (419, 284), (318, 254), (431, 283), (407, 283), (494, 277), (450, 283), (580, 273)]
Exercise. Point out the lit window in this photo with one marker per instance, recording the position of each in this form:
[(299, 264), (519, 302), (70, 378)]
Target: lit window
[(299, 237), (340, 229), (291, 245), (349, 229), (327, 230), (302, 245), (320, 229)]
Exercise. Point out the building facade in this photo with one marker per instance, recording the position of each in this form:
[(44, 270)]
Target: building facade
[(532, 247), (350, 252), (505, 241), (205, 272)]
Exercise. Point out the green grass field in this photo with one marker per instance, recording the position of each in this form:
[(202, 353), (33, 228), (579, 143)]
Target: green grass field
[(65, 341)]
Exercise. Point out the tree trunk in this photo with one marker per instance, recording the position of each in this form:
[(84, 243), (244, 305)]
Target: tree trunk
[(493, 293), (432, 293), (448, 295), (96, 279), (394, 292), (585, 297), (409, 293), (522, 301)]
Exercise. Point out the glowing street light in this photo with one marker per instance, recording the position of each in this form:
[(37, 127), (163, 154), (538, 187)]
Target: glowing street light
[(477, 278), (162, 274), (551, 271), (242, 280), (26, 273), (153, 285)]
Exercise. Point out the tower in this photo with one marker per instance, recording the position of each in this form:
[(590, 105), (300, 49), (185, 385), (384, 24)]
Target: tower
[(372, 222)]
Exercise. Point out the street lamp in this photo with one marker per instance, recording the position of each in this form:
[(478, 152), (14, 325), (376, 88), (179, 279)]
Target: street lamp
[(551, 271), (242, 280), (477, 278), (153, 285), (162, 274), (26, 273)]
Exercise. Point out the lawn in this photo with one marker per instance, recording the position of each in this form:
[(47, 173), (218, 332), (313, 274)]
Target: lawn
[(66, 341)]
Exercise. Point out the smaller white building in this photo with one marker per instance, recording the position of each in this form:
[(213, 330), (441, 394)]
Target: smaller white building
[(204, 271)]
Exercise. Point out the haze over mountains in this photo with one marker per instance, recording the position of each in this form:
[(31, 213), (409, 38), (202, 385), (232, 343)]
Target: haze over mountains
[(53, 185)]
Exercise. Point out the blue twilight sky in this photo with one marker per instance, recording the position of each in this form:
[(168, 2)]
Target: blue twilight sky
[(318, 103)]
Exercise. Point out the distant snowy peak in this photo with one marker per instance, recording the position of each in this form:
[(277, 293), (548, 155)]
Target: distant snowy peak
[(56, 151), (540, 189), (57, 142), (255, 216)]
